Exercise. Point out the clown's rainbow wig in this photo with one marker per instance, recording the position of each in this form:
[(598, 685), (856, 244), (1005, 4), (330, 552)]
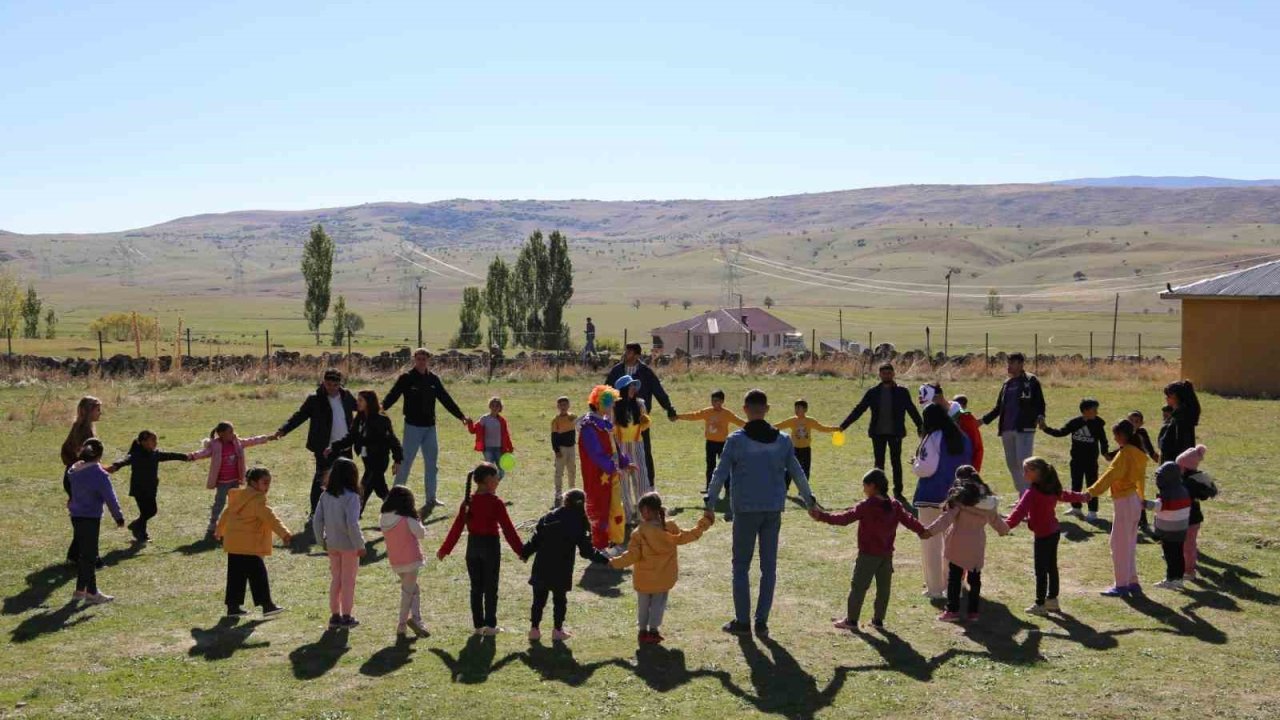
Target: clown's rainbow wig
[(602, 397)]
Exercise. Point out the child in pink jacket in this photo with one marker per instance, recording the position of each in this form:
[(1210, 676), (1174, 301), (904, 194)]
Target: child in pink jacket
[(1038, 506), (969, 509), (227, 465), (403, 532)]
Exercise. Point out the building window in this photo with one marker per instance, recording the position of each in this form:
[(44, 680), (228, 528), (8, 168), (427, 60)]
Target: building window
[(766, 339), (697, 342), (777, 339)]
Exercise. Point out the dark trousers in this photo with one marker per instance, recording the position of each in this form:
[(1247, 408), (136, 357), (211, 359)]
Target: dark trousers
[(323, 464), (955, 575), (893, 444), (374, 480), (484, 564), (1046, 553), (865, 569), (253, 570), (648, 459), (560, 605), (1174, 561), (1082, 476), (714, 449), (804, 456), (146, 511), (85, 541), (73, 549)]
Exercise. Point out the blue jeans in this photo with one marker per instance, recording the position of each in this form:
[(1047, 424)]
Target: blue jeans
[(747, 527), (418, 437), (494, 455)]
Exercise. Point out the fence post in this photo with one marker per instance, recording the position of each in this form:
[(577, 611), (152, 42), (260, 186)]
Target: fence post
[(1139, 348), (1036, 363), (986, 348), (928, 342), (688, 349), (625, 338), (1091, 347), (10, 342), (188, 342), (100, 347), (557, 362), (813, 351)]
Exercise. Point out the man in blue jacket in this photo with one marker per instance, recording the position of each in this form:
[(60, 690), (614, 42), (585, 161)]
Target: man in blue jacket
[(757, 458), (650, 389), (890, 404)]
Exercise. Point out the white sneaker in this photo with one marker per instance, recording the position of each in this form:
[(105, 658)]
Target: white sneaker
[(490, 631), (1052, 605), (1170, 584), (101, 598), (1037, 610), (1092, 516), (1074, 512)]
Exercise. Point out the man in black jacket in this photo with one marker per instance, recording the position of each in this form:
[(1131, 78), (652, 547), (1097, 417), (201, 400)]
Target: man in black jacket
[(330, 410), (650, 388), (890, 404), (421, 389), (1020, 408)]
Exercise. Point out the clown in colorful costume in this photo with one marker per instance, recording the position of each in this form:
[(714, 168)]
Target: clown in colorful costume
[(600, 478)]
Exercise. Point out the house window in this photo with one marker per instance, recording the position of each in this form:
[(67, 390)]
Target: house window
[(766, 339), (777, 339), (697, 342)]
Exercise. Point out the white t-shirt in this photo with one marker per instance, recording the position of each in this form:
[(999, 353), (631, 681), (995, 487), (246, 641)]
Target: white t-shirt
[(338, 430)]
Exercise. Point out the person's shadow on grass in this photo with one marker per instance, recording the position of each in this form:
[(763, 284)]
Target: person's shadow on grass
[(556, 663), (203, 545), (315, 659), (389, 659), (40, 585), (601, 580), (224, 639), (997, 631), (899, 656), (371, 555), (781, 686), (475, 662), (1186, 622), (1085, 635), (1075, 532), (49, 621), (664, 669), (1230, 579)]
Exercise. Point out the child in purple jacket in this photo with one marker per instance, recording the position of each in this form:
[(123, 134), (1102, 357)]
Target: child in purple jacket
[(90, 487)]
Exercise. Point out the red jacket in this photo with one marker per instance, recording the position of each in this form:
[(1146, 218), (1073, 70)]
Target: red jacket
[(477, 429), (878, 520), (1039, 509), (972, 429), (486, 516)]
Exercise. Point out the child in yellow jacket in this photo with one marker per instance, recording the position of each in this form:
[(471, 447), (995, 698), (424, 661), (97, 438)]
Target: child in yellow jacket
[(802, 428), (653, 552), (245, 529), (1124, 478), (716, 421)]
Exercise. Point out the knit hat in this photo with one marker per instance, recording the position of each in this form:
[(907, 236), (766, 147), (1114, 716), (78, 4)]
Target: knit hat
[(1190, 458)]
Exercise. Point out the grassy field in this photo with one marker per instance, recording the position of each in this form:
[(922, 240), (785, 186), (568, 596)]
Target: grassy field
[(162, 651)]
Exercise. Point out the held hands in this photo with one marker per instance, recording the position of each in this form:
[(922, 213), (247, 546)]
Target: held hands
[(328, 451), (709, 515), (362, 552)]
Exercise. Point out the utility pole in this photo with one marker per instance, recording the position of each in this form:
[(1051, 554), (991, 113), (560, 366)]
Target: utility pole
[(419, 314), (841, 316), (946, 326), (1115, 322)]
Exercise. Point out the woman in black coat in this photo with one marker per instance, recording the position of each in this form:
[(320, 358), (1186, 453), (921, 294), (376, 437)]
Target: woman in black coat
[(374, 439), (1179, 433), (558, 536)]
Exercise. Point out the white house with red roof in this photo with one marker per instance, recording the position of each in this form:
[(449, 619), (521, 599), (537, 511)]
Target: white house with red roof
[(727, 330)]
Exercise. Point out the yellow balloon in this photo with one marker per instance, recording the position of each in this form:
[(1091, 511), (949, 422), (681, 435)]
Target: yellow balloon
[(837, 438)]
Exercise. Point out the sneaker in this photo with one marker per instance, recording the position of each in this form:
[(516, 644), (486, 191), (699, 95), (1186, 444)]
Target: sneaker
[(951, 617), (1170, 585), (435, 502), (79, 595), (335, 622), (733, 627), (402, 632), (1134, 589), (655, 637), (1091, 517), (1040, 610), (560, 635), (1052, 605), (934, 596), (877, 624), (1190, 577), (271, 610), (235, 612), (478, 631), (728, 517), (1075, 513), (845, 624), (762, 629), (99, 598), (535, 634), (491, 631), (349, 622), (642, 638), (1118, 591), (418, 628), (974, 617)]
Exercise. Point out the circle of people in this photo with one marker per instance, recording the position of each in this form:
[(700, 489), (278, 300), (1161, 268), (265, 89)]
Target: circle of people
[(609, 448)]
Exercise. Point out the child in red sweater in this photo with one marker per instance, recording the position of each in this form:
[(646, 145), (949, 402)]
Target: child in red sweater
[(484, 515), (1038, 506), (880, 516)]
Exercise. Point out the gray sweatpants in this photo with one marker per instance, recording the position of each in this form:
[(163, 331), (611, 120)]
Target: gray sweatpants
[(219, 502), (410, 597), (650, 608), (1018, 446)]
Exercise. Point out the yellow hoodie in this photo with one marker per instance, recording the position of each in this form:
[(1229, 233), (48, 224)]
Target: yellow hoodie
[(246, 524), (653, 553), (1125, 476), (802, 429), (717, 422)]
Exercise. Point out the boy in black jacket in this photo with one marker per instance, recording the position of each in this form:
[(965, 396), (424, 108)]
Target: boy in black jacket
[(144, 483), (559, 535), (1088, 441)]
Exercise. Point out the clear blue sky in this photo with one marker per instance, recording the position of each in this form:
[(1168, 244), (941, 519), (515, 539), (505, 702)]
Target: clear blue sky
[(121, 115)]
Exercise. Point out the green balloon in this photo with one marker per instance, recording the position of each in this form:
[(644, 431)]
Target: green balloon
[(507, 462)]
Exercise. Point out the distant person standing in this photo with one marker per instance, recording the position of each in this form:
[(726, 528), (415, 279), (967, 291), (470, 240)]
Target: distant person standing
[(590, 346), (650, 388), (1020, 408), (331, 410), (890, 404), (421, 389)]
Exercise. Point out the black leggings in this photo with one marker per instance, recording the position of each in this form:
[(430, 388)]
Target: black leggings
[(146, 510), (374, 480), (484, 564), (1046, 552), (251, 569), (954, 576), (804, 456), (714, 449), (86, 543), (560, 605), (1082, 476), (1174, 561)]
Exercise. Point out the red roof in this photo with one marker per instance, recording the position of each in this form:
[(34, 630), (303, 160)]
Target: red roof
[(728, 320)]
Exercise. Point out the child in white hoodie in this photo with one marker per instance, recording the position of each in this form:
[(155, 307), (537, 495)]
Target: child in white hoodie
[(336, 523), (403, 533)]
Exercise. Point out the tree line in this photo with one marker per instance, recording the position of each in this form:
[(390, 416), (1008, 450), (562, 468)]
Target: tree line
[(523, 302), (21, 313)]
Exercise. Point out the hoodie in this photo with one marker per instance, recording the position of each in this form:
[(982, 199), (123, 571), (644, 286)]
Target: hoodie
[(336, 522), (559, 536), (90, 490), (965, 544), (246, 524), (403, 538), (1173, 504), (757, 458), (652, 551)]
